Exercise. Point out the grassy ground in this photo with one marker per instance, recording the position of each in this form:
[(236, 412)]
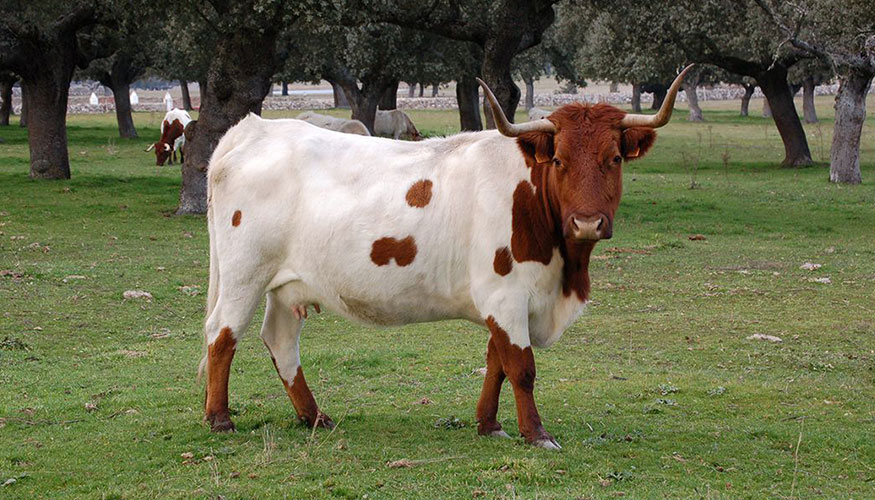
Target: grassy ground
[(655, 393)]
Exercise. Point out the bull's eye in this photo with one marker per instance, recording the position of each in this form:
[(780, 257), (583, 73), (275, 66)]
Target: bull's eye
[(618, 159), (557, 163)]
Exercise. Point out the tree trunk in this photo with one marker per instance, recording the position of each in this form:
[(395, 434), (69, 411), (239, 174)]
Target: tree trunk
[(340, 100), (186, 96), (745, 99), (614, 88), (468, 98), (285, 90), (850, 113), (693, 101), (118, 79), (497, 56), (530, 93), (435, 88), (22, 120), (6, 98), (239, 77), (659, 93), (411, 90), (122, 95), (808, 110), (389, 99), (767, 110), (780, 100), (364, 101), (46, 99), (636, 98), (202, 89), (364, 109), (421, 89)]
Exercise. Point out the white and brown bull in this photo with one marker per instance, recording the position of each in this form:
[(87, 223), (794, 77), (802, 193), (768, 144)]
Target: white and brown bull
[(172, 138), (495, 227)]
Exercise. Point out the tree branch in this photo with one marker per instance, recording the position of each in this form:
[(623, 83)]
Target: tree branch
[(82, 15), (794, 39)]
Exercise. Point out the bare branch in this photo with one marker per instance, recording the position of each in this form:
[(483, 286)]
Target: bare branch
[(793, 35)]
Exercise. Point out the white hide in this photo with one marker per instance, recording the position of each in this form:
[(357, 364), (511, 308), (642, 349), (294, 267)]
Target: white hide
[(394, 123), (334, 123), (312, 202), (183, 117)]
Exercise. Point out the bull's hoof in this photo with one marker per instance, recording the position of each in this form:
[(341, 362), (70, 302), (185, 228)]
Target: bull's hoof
[(492, 430), (547, 444), (220, 423), (542, 439), (322, 420)]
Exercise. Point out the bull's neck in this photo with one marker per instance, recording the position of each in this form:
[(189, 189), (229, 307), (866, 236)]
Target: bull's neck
[(575, 254)]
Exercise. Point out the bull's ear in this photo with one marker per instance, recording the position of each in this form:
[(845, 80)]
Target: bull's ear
[(536, 146), (637, 141)]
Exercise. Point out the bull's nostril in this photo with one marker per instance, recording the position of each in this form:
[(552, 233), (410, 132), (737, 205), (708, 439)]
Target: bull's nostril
[(598, 226)]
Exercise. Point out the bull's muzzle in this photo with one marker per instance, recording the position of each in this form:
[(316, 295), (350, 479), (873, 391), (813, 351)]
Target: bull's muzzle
[(590, 227)]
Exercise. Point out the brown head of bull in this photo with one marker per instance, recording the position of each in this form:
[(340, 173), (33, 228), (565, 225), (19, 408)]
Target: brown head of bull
[(576, 156), (163, 152)]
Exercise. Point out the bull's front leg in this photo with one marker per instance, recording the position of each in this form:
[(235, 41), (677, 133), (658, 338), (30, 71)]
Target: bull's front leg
[(514, 352), (487, 407)]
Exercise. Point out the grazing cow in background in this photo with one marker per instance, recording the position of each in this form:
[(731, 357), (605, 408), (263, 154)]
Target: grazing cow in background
[(538, 113), (333, 123), (495, 227), (395, 123), (172, 137)]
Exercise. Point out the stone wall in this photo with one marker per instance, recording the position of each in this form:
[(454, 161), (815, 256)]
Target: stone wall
[(79, 94)]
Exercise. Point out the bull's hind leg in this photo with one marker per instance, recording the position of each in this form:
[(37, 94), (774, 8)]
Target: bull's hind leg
[(226, 324), (281, 332)]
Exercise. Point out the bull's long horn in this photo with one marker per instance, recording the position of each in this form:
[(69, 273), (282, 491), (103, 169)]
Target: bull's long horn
[(509, 129), (150, 148), (664, 114)]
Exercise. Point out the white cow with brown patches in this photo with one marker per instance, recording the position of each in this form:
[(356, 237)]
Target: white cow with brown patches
[(172, 137), (494, 227)]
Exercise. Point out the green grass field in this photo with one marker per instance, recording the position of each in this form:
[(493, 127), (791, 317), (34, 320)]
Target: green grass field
[(655, 392)]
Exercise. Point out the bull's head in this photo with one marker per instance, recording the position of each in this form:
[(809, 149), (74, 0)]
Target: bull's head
[(579, 151), (162, 152)]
